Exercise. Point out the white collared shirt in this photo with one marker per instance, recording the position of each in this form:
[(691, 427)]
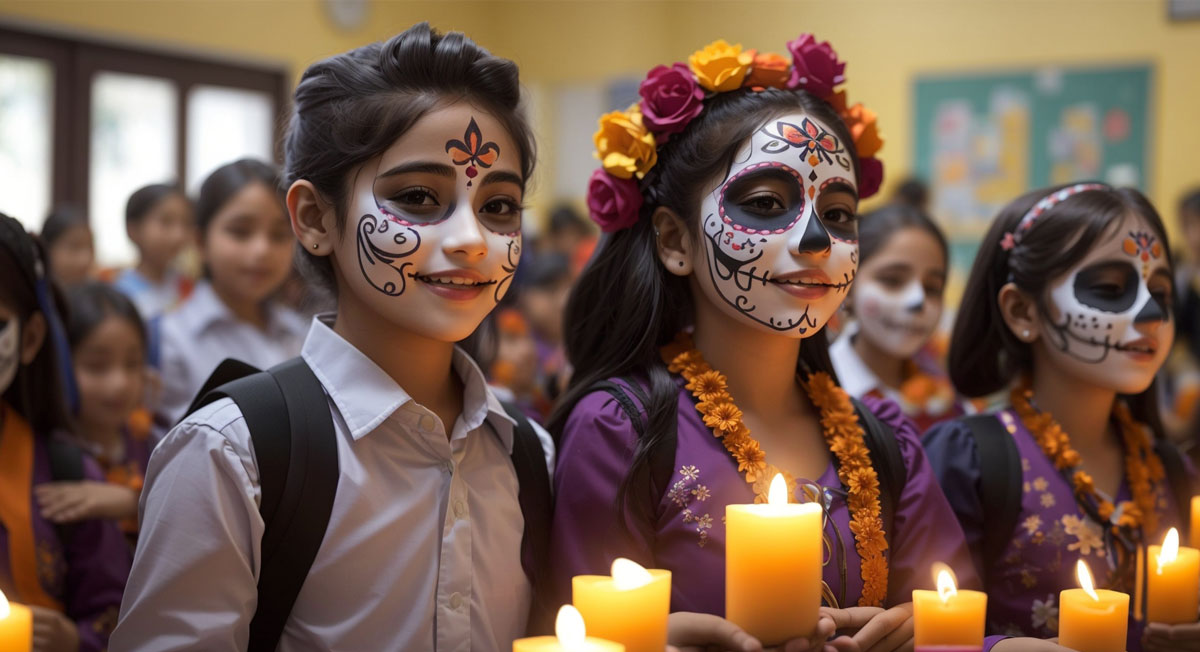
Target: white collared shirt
[(853, 374), (423, 547), (203, 332)]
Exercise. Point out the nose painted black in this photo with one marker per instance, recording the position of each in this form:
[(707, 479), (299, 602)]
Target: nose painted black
[(1152, 311), (815, 238)]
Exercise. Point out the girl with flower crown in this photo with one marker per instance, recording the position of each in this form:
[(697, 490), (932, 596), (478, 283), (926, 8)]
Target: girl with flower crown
[(1069, 306), (701, 365)]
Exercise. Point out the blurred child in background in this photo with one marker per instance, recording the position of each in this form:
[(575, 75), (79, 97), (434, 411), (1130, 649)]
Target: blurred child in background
[(542, 299), (69, 245), (158, 219)]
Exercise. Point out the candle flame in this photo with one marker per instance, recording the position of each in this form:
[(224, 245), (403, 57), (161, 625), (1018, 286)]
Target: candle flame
[(4, 608), (778, 493), (569, 628), (945, 586), (1170, 549), (628, 574), (1084, 574)]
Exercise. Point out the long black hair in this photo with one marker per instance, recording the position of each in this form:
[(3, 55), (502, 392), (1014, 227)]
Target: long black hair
[(37, 390), (985, 356), (626, 305)]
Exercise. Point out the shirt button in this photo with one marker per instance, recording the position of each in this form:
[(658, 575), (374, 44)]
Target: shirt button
[(425, 423), (460, 509), (456, 601)]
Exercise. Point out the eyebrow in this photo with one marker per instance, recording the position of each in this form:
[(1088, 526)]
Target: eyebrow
[(422, 167), (503, 176), (838, 186)]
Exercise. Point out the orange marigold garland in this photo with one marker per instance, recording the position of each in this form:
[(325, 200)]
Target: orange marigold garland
[(1143, 469), (842, 431)]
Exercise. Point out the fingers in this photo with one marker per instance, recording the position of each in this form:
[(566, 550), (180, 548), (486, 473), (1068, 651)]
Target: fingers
[(852, 618), (1183, 638), (61, 502), (874, 636), (702, 630)]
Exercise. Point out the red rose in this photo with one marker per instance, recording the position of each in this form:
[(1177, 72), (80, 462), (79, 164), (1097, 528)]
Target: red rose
[(671, 98), (815, 66), (613, 203)]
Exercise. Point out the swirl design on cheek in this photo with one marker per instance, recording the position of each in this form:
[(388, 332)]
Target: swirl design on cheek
[(383, 266), (514, 256)]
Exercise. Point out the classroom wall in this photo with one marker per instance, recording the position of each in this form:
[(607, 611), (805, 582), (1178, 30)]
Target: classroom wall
[(885, 42)]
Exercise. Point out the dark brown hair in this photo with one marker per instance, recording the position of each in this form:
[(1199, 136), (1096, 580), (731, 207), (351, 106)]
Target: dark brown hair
[(353, 106), (145, 199), (876, 227)]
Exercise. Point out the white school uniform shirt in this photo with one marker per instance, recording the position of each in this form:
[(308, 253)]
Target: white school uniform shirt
[(853, 374), (423, 546), (203, 331)]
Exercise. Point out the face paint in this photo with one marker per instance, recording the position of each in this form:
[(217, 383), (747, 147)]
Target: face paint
[(10, 340), (1114, 315), (434, 247), (781, 240), (898, 321)]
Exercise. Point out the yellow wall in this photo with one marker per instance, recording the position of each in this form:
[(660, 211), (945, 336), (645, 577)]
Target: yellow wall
[(886, 43)]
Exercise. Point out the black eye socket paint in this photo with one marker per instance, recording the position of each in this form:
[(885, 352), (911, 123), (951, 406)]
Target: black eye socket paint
[(740, 186), (1091, 283)]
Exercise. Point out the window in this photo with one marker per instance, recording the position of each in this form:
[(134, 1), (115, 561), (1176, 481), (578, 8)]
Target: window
[(26, 117)]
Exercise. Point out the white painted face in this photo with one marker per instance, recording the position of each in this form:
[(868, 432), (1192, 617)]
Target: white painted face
[(897, 297), (1112, 312), (10, 358), (781, 236), (433, 235)]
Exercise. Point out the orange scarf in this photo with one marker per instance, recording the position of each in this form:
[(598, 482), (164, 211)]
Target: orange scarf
[(16, 509)]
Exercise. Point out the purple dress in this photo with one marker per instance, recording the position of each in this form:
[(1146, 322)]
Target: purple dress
[(1052, 532), (87, 575), (688, 533)]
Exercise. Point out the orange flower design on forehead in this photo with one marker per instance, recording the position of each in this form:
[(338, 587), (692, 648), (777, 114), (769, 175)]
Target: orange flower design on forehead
[(472, 151), (1144, 246)]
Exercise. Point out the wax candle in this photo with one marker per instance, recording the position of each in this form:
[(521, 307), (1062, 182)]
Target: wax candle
[(1173, 578), (570, 635), (630, 607), (16, 626), (948, 619), (1194, 539), (773, 566), (1092, 620)]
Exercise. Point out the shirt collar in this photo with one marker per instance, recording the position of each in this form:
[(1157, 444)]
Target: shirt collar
[(365, 395), (854, 374)]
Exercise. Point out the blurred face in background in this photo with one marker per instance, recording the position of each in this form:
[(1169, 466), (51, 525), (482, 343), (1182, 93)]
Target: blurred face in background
[(544, 308), (72, 255), (164, 232), (110, 367), (1191, 234), (898, 295), (248, 246)]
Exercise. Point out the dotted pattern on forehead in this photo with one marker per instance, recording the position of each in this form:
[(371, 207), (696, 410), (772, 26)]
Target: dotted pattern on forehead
[(747, 170)]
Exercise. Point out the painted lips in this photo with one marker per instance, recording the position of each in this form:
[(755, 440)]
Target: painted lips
[(1141, 350), (808, 284)]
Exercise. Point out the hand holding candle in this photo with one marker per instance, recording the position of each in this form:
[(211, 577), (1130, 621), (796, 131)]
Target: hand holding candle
[(1173, 582), (16, 627), (773, 567), (948, 620), (570, 635), (1092, 620), (631, 607)]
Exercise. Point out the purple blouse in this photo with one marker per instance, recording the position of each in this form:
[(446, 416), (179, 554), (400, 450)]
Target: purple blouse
[(1052, 531), (88, 574), (688, 533)]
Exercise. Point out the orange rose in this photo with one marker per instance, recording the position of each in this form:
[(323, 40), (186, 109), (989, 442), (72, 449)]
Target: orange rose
[(623, 144), (719, 66), (769, 70), (861, 122)]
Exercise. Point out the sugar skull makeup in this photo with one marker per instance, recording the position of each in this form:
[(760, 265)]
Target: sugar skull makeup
[(897, 298), (10, 340), (1113, 316), (780, 232), (437, 224)]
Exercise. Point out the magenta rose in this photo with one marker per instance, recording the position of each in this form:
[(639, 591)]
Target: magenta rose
[(871, 176), (671, 98), (815, 66), (613, 203)]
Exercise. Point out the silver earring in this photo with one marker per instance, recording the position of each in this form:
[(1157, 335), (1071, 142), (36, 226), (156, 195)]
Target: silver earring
[(316, 245), (1025, 334)]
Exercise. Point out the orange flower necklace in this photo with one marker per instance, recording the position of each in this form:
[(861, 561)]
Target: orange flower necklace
[(842, 431), (1143, 469)]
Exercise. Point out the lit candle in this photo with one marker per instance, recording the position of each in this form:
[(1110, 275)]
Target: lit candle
[(16, 626), (1173, 594), (570, 635), (631, 607), (948, 620), (1092, 620), (773, 566), (1194, 539)]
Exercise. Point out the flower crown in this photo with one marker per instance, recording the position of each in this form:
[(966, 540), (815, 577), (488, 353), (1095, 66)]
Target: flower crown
[(672, 96)]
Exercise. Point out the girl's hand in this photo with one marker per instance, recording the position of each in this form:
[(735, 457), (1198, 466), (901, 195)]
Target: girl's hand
[(68, 502), (693, 632), (874, 630), (1171, 638), (53, 632)]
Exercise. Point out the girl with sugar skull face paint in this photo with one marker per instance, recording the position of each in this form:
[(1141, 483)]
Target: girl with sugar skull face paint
[(896, 307), (701, 365), (1069, 307)]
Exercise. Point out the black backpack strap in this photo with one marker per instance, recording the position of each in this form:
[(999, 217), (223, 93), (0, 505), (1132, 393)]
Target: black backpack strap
[(66, 465), (533, 482), (999, 483), (1178, 480), (887, 460), (662, 461)]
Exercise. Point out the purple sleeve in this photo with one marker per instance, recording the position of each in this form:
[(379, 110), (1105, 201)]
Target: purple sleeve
[(595, 450), (925, 528), (98, 561), (990, 641)]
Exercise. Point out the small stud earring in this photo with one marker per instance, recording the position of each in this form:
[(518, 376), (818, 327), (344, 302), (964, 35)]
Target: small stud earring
[(1025, 334), (316, 245), (681, 263)]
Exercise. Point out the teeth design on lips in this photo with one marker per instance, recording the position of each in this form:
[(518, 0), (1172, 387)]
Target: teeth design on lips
[(452, 281)]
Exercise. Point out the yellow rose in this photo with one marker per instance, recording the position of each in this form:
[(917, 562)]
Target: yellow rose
[(720, 67), (623, 144)]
